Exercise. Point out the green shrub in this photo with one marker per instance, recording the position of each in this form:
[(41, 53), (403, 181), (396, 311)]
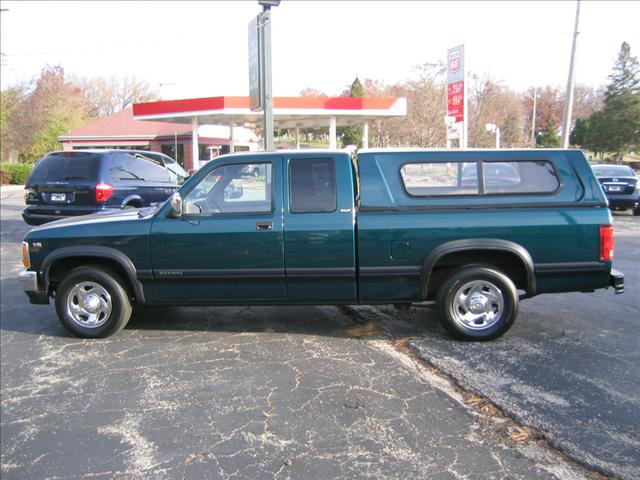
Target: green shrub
[(15, 173)]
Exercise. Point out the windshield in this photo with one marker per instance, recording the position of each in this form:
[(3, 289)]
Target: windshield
[(66, 166), (613, 171)]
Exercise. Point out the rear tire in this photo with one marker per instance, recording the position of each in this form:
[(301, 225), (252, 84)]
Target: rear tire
[(477, 303), (92, 302), (636, 211)]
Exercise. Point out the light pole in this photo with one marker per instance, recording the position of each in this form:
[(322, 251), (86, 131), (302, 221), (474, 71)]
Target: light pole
[(533, 118), (492, 127), (568, 106)]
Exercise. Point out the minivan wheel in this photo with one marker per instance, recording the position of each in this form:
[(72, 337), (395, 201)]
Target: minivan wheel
[(477, 303), (91, 302)]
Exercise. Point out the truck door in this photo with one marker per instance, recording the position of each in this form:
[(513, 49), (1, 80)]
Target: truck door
[(227, 247), (319, 237)]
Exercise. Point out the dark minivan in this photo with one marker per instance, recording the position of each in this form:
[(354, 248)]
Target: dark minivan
[(80, 182)]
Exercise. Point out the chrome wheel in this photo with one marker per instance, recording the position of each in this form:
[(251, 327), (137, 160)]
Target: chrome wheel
[(477, 305), (89, 304)]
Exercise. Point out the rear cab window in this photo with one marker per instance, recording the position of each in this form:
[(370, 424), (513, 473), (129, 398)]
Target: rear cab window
[(312, 185), (65, 166)]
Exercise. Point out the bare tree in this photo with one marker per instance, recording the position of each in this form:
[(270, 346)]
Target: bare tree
[(108, 95), (423, 126), (492, 102)]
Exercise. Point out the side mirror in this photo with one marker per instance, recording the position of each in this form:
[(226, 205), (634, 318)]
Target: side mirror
[(176, 205)]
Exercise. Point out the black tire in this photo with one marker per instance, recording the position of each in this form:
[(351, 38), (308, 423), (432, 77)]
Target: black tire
[(103, 286), (636, 211), (495, 303)]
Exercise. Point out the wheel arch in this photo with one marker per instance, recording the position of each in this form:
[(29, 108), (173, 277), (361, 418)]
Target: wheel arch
[(132, 200), (87, 255), (458, 252)]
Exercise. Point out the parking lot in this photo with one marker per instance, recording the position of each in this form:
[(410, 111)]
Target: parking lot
[(322, 392)]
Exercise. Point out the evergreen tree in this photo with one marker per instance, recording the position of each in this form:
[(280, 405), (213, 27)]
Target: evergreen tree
[(352, 135), (580, 132), (548, 138), (622, 103)]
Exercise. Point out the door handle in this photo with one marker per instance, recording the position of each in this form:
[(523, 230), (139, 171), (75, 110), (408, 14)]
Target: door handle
[(264, 226)]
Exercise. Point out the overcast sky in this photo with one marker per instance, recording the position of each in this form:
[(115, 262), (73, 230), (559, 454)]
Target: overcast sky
[(201, 47)]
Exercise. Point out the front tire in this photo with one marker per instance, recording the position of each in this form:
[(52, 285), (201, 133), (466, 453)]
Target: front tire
[(477, 303), (91, 302)]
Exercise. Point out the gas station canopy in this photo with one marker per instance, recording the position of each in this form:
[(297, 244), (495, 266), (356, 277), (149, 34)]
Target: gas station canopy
[(288, 112)]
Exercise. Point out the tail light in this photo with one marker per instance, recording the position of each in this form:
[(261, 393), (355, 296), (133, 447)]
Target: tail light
[(26, 260), (103, 191), (606, 243)]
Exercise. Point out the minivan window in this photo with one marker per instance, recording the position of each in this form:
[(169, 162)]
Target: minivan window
[(66, 166), (136, 167), (312, 185)]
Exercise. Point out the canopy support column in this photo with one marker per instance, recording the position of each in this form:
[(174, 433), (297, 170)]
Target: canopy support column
[(194, 143), (298, 138), (365, 135), (232, 143), (332, 133)]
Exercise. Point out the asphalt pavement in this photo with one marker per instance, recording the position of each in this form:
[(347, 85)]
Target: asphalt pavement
[(319, 392)]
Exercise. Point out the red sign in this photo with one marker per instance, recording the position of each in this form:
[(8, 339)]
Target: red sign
[(455, 100)]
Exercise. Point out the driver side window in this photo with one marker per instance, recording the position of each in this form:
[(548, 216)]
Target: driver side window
[(231, 189)]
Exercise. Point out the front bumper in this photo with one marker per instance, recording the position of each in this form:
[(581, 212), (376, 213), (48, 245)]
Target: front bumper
[(616, 280), (30, 285)]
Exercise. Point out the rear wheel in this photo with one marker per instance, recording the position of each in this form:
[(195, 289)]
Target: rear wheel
[(91, 302), (477, 303), (636, 211)]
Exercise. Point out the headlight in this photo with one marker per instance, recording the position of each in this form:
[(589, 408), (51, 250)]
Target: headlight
[(26, 260)]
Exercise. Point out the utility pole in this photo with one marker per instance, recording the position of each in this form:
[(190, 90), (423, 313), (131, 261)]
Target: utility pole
[(568, 107), (533, 118)]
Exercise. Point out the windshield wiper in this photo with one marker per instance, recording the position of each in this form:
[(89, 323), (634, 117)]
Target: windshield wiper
[(135, 177)]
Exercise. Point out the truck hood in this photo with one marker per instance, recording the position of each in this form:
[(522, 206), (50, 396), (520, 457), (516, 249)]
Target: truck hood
[(116, 216)]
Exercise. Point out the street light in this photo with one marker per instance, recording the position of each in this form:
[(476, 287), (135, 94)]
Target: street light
[(492, 127)]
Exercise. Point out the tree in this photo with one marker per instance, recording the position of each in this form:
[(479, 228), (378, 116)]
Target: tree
[(616, 127), (352, 135), (108, 95), (10, 101), (548, 137), (580, 133), (622, 102), (492, 102), (52, 107), (423, 125)]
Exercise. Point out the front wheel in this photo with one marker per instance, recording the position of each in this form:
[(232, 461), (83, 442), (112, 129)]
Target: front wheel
[(477, 303), (636, 211), (91, 302)]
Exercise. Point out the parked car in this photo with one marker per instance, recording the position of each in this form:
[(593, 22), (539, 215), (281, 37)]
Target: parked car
[(80, 182), (323, 227), (620, 185)]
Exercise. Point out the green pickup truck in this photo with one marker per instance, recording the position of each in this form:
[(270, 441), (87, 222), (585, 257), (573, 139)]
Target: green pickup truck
[(475, 231)]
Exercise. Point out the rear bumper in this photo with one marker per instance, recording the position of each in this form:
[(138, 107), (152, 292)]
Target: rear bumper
[(30, 285), (616, 280), (37, 216), (623, 202)]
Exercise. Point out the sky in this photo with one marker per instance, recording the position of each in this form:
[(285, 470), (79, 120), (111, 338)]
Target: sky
[(199, 49)]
